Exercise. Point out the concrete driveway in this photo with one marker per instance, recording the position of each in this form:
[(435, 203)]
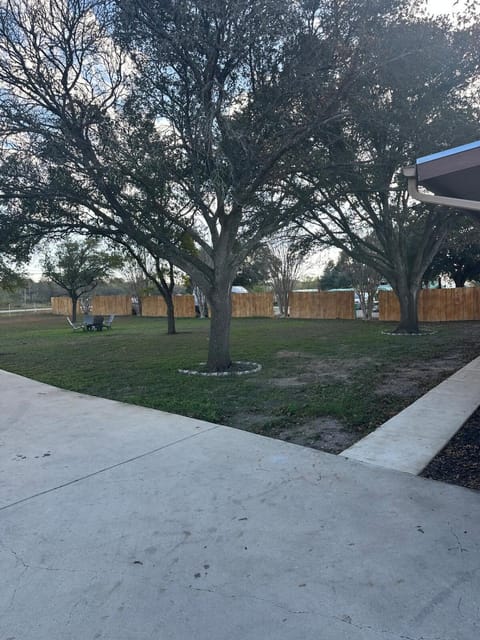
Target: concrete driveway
[(124, 523)]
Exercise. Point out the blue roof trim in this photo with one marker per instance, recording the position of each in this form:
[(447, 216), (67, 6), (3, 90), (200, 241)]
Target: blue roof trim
[(449, 152)]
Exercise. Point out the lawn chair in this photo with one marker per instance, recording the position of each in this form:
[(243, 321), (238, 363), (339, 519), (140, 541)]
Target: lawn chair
[(88, 322), (75, 325), (97, 323), (108, 322)]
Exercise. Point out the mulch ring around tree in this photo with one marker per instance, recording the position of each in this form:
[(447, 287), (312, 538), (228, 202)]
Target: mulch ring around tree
[(238, 368), (459, 461), (422, 331)]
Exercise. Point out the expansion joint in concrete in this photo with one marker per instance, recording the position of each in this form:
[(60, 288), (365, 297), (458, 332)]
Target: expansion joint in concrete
[(109, 468)]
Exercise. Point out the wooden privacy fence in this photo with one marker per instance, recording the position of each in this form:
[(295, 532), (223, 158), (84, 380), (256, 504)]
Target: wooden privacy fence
[(435, 305), (321, 304), (106, 305), (155, 307), (327, 305), (252, 305), (101, 305), (244, 305), (62, 306)]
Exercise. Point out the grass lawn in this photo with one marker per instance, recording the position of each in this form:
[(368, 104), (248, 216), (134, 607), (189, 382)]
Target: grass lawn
[(323, 383)]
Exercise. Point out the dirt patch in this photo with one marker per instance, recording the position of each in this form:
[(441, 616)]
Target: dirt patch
[(293, 354), (250, 421), (319, 369), (335, 369), (405, 381), (288, 382), (326, 434)]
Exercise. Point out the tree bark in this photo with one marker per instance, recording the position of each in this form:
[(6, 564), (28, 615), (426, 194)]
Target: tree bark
[(171, 328), (166, 291), (284, 303), (408, 299), (366, 304), (219, 344), (74, 308)]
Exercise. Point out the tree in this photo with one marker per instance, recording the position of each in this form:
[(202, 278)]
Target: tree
[(255, 270), (287, 258), (77, 267), (365, 280), (348, 273), (9, 278), (459, 255), (158, 272), (137, 282), (335, 276), (355, 193), (187, 124), (15, 248)]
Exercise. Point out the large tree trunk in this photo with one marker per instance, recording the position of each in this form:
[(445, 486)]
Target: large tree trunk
[(166, 291), (74, 308), (459, 279), (221, 311), (171, 328), (408, 299)]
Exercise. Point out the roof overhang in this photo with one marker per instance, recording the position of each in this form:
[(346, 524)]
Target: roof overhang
[(452, 176)]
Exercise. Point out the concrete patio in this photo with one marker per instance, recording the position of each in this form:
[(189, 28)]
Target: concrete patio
[(124, 523)]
